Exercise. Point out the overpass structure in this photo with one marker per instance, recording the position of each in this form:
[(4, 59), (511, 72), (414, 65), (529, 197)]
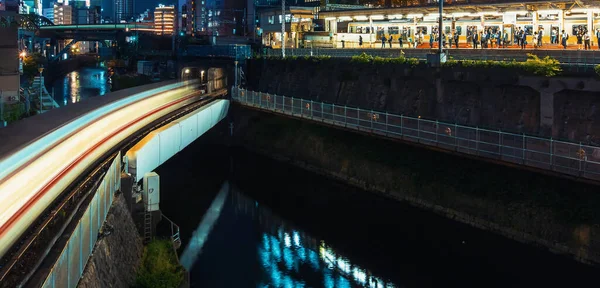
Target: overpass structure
[(45, 159)]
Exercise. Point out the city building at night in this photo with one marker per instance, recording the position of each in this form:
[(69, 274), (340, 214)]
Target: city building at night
[(298, 21), (123, 10), (63, 14), (164, 19)]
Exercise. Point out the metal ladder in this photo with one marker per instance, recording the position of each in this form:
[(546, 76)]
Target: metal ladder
[(147, 226)]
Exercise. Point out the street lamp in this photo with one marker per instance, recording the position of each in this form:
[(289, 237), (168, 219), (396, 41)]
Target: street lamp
[(41, 69), (184, 73)]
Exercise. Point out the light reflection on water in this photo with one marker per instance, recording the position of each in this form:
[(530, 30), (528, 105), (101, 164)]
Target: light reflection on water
[(284, 250), (79, 85)]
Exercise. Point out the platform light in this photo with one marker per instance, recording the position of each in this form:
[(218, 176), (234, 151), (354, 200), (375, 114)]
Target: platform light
[(549, 11), (460, 14), (377, 17), (329, 18), (418, 15), (345, 18), (395, 16), (489, 13), (361, 18), (518, 12)]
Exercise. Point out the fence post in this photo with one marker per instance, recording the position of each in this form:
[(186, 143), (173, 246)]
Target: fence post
[(581, 157), (436, 131), (523, 148), (386, 123), (456, 143), (292, 108), (259, 100), (401, 125), (274, 103), (477, 140), (333, 114), (372, 116), (357, 118), (322, 113), (500, 143), (419, 129), (311, 109), (551, 154), (345, 116), (301, 112)]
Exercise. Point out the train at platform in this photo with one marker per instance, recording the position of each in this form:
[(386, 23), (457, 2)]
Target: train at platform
[(371, 25)]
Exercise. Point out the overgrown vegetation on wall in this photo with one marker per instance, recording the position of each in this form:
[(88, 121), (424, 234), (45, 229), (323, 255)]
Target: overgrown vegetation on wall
[(534, 65), (159, 268)]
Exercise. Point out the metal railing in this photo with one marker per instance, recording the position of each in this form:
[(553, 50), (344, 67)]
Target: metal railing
[(235, 51), (574, 159), (69, 267)]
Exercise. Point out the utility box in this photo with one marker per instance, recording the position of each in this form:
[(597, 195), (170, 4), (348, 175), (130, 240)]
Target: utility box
[(436, 59), (151, 191)]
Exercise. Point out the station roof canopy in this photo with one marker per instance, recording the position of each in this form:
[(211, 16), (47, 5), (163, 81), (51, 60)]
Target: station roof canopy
[(473, 6)]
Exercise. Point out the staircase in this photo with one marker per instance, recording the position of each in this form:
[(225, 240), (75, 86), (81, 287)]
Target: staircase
[(47, 102)]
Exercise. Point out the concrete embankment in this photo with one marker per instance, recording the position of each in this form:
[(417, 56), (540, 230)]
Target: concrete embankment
[(558, 214), (58, 69), (116, 256), (495, 98)]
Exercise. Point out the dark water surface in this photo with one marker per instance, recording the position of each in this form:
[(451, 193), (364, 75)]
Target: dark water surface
[(79, 85), (280, 226)]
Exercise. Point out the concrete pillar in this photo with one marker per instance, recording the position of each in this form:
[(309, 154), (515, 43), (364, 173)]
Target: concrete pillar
[(561, 22), (590, 23), (547, 109), (370, 32)]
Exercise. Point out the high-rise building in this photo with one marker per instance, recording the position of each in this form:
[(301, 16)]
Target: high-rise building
[(183, 23), (164, 19), (63, 14), (124, 10), (49, 13)]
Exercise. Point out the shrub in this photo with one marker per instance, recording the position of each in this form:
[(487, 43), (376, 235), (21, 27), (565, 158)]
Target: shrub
[(546, 66), (159, 267), (362, 58)]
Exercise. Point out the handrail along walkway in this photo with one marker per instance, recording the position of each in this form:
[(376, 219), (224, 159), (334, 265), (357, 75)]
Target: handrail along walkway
[(574, 159)]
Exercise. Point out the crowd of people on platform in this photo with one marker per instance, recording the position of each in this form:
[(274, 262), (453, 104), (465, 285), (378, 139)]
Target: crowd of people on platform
[(493, 38)]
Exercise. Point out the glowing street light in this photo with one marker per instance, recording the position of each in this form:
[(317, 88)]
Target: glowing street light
[(23, 54), (187, 71)]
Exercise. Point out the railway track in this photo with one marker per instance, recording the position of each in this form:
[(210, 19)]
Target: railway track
[(21, 265)]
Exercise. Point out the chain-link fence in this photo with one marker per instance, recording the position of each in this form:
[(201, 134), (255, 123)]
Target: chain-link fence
[(546, 153)]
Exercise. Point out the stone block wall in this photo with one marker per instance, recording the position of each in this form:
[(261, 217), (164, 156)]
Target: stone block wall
[(492, 98)]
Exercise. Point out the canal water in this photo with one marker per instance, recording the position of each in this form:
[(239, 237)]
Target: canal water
[(248, 221), (79, 85)]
